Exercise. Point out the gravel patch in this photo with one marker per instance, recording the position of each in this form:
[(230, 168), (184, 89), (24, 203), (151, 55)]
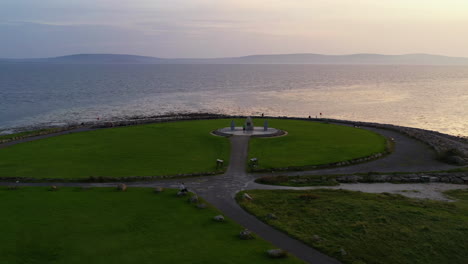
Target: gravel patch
[(433, 191)]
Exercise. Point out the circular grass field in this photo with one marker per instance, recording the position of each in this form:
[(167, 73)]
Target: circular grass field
[(313, 143), (180, 148)]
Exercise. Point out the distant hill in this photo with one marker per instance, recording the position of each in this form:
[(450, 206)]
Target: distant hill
[(305, 58), (92, 59), (408, 59)]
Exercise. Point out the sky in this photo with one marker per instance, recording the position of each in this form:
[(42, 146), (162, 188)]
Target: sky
[(228, 28)]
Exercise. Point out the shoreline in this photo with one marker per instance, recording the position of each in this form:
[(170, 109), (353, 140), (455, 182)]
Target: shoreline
[(8, 130)]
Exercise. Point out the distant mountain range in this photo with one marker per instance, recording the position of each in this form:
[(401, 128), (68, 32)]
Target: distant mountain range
[(304, 58)]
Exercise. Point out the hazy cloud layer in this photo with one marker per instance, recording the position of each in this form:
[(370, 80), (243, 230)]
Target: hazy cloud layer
[(213, 28)]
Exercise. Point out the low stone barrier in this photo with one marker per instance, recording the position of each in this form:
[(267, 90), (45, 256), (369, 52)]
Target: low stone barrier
[(460, 177), (117, 123), (329, 165), (158, 119), (109, 178), (445, 177)]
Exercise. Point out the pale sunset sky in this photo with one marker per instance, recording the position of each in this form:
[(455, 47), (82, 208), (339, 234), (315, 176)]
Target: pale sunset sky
[(223, 28)]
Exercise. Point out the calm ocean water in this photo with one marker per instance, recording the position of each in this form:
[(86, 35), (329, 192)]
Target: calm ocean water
[(430, 97)]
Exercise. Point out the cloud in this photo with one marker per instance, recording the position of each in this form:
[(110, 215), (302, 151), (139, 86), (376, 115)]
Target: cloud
[(199, 28), (42, 40)]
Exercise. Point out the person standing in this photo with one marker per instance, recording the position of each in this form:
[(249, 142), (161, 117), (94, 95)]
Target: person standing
[(182, 188)]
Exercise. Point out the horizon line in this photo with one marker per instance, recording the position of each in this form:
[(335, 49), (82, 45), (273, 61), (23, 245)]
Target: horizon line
[(232, 57)]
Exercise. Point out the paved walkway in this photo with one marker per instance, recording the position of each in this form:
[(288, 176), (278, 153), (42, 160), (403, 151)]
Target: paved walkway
[(409, 156)]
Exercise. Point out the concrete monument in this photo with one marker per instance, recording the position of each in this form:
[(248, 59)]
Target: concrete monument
[(233, 125), (249, 126)]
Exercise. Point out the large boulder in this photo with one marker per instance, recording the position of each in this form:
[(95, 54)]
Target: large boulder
[(219, 218), (316, 238), (246, 234), (277, 253), (247, 197), (122, 187)]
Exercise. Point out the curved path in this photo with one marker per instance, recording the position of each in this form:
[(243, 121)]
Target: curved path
[(410, 156)]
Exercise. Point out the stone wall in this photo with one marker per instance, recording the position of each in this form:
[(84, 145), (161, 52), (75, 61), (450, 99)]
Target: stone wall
[(329, 165), (109, 178), (158, 119), (116, 123), (446, 177)]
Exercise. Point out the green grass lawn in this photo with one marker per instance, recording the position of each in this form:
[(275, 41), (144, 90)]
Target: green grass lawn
[(370, 228), (145, 150), (313, 143), (102, 225)]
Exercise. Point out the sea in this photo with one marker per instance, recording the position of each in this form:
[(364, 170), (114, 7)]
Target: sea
[(428, 97)]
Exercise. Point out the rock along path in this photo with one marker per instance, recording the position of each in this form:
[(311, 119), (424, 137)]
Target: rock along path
[(410, 156)]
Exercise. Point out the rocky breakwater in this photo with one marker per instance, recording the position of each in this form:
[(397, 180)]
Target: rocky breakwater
[(131, 121)]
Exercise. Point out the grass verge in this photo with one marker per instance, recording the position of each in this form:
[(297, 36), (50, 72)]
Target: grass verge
[(357, 227)]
